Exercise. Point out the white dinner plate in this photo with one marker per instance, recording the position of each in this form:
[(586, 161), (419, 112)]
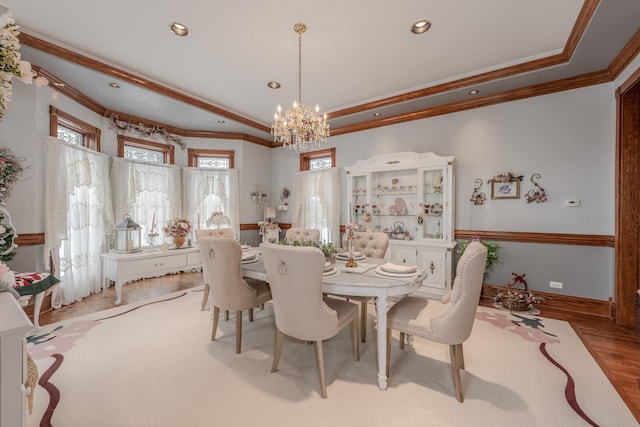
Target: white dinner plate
[(330, 272), (248, 256), (251, 260), (386, 273), (245, 247), (346, 258)]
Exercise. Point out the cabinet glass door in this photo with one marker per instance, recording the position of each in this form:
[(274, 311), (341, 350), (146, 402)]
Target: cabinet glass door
[(359, 199), (433, 203), (394, 203)]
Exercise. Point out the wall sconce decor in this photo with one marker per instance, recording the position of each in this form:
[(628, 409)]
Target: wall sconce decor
[(478, 197), (258, 197), (537, 194)]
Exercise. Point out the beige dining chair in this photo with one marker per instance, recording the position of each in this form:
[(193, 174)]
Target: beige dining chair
[(374, 245), (302, 235), (301, 312), (448, 321), (222, 264), (211, 232)]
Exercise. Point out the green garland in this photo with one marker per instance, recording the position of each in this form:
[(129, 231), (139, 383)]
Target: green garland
[(10, 172)]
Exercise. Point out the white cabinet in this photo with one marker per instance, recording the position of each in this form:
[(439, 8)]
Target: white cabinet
[(409, 196), (123, 268), (14, 326)]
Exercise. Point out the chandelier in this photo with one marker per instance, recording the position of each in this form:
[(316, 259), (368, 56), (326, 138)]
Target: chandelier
[(301, 126)]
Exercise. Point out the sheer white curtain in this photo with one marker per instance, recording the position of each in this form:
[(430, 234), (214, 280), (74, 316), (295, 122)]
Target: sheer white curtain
[(316, 203), (78, 216), (146, 191), (211, 190)]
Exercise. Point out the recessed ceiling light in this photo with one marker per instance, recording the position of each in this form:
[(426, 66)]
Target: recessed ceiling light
[(222, 121), (376, 114), (274, 85), (114, 85), (474, 92), (422, 26), (179, 29)]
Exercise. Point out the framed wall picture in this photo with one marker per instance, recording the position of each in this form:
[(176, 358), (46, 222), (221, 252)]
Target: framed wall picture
[(505, 189)]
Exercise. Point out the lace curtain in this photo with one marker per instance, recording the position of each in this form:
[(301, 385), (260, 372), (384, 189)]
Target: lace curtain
[(78, 216), (209, 190), (316, 203), (146, 192)]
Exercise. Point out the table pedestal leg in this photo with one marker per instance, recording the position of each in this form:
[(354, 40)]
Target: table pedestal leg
[(381, 312)]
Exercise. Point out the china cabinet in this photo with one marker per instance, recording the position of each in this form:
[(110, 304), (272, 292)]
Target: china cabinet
[(408, 196)]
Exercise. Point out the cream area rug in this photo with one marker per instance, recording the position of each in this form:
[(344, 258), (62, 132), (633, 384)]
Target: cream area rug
[(152, 364)]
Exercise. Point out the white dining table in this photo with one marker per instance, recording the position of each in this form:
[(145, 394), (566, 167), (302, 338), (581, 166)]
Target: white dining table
[(367, 284)]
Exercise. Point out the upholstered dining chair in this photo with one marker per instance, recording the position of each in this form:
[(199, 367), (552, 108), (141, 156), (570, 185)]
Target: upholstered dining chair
[(302, 235), (301, 312), (374, 245), (222, 264), (211, 232), (448, 321)]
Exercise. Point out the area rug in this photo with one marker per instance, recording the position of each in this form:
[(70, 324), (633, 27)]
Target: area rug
[(152, 364)]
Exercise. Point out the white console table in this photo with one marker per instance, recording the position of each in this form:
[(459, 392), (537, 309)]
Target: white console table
[(123, 268), (14, 326)]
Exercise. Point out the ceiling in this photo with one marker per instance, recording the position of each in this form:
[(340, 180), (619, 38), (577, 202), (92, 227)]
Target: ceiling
[(359, 57)]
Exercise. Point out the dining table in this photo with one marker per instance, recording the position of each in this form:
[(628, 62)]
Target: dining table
[(367, 279)]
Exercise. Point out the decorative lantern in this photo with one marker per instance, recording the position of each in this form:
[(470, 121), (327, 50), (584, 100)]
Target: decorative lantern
[(128, 236)]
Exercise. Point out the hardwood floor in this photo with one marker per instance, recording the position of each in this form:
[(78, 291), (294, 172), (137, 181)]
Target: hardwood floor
[(615, 348)]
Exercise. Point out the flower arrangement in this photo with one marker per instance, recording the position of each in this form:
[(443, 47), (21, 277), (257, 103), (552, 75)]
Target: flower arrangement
[(328, 249), (506, 177), (11, 65), (177, 227), (10, 171), (517, 299)]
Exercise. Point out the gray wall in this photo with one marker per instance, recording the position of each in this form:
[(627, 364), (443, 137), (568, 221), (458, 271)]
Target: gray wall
[(567, 137)]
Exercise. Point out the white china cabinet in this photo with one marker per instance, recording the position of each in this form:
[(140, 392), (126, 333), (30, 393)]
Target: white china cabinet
[(409, 196)]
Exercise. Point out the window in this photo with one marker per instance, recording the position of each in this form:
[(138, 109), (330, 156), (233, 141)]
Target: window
[(321, 159), (144, 151), (211, 159), (73, 130)]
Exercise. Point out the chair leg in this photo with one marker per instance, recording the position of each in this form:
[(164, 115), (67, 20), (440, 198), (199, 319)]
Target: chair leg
[(216, 316), (251, 315), (205, 297), (238, 331), (323, 385), (401, 343), (454, 351), (363, 321), (354, 340), (226, 315), (461, 357), (277, 350)]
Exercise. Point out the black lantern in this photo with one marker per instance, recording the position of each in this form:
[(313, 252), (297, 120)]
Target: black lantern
[(128, 236)]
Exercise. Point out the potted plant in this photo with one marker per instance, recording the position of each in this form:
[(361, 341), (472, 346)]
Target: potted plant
[(492, 250)]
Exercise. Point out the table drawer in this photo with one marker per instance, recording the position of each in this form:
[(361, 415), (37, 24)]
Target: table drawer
[(153, 264)]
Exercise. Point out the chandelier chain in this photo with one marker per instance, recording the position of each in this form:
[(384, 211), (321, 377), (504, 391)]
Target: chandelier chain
[(300, 65)]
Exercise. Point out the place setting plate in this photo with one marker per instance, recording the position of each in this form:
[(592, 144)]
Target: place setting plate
[(344, 256), (393, 270), (248, 258)]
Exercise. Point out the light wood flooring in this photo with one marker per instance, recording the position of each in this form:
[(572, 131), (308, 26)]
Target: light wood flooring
[(615, 348)]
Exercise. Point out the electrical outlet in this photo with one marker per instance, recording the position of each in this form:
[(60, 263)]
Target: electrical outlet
[(572, 203), (557, 285)]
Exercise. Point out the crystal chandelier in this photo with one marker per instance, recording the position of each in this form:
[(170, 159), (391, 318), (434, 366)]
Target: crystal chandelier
[(301, 126)]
